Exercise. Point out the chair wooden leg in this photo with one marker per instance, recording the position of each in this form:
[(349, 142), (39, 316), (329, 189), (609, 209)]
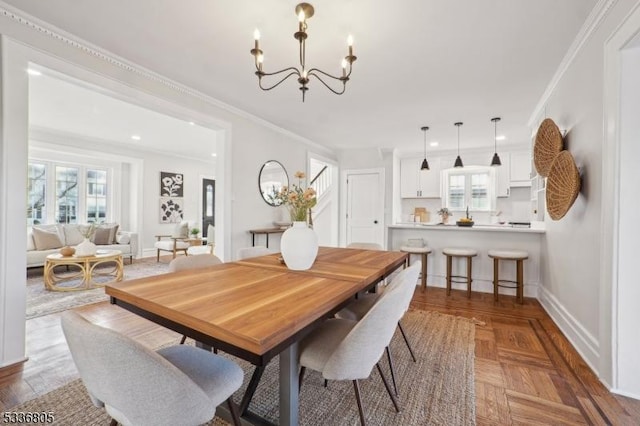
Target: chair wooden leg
[(359, 401), (424, 271), (326, 383), (469, 264), (301, 377), (386, 385), (496, 265), (184, 338), (393, 373), (234, 412), (449, 262), (113, 422), (406, 340), (158, 256), (520, 281)]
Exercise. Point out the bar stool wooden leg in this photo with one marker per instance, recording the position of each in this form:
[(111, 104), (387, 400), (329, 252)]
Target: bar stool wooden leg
[(409, 260), (424, 271), (495, 278), (520, 280), (449, 260), (469, 263)]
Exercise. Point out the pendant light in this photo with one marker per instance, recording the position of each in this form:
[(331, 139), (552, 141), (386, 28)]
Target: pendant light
[(425, 163), (496, 159), (458, 162)]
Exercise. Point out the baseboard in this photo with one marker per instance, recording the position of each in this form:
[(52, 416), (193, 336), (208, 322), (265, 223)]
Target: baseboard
[(583, 341), (627, 394), (150, 252)]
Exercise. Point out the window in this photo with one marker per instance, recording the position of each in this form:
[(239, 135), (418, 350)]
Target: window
[(36, 197), (66, 194), (469, 187), (96, 195), (62, 193)]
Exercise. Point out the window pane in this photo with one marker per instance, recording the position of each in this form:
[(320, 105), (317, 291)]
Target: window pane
[(96, 196), (480, 191), (36, 184), (209, 207), (456, 191), (66, 194)]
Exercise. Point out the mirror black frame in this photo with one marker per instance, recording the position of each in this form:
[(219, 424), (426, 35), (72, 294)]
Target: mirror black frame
[(272, 204)]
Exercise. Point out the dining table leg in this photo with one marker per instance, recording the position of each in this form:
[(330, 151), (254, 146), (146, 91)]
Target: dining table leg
[(289, 386)]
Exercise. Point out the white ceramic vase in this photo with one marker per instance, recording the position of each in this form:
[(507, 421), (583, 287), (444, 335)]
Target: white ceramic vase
[(299, 246), (86, 248)]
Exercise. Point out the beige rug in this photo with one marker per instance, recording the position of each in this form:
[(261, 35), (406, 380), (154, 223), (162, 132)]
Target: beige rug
[(43, 302), (437, 390)]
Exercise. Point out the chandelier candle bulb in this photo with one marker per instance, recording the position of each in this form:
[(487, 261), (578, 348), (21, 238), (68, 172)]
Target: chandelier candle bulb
[(344, 68), (350, 44)]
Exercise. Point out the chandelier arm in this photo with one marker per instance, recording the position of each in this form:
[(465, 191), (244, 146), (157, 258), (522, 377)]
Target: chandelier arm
[(313, 70), (279, 82), (344, 82), (293, 70)]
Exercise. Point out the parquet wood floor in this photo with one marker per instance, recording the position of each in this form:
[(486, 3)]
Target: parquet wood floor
[(526, 372)]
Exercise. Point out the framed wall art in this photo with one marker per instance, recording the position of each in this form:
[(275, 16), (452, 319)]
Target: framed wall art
[(171, 209), (171, 184)]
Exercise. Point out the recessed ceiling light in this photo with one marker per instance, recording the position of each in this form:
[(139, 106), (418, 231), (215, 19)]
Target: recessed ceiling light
[(501, 138), (434, 143), (31, 71), (135, 137), (192, 123), (213, 154)]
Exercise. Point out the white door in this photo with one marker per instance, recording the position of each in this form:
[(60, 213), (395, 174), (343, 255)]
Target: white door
[(365, 207)]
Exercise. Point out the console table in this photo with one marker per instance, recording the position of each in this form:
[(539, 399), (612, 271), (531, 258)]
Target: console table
[(266, 232)]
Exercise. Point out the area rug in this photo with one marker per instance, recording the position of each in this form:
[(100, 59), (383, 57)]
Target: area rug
[(43, 302), (436, 390)]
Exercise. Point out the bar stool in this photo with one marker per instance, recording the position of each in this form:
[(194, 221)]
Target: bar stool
[(519, 256), (467, 253), (417, 246)]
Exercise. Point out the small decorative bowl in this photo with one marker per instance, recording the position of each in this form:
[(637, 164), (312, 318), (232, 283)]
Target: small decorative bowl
[(67, 251), (469, 224)]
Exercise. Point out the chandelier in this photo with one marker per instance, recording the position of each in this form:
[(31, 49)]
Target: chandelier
[(304, 11)]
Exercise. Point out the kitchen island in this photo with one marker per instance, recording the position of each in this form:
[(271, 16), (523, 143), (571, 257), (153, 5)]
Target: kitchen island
[(481, 238)]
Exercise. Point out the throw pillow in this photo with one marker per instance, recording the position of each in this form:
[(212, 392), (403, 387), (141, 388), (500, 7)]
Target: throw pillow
[(102, 236), (46, 239), (73, 234), (181, 230), (31, 245)]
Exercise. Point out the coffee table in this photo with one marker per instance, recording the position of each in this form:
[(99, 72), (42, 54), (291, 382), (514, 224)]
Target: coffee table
[(86, 270)]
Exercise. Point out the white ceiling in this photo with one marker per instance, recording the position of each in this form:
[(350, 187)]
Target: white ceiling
[(420, 62), (69, 107)]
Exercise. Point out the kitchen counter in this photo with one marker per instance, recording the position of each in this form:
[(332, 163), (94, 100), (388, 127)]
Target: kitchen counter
[(481, 238), (475, 228)]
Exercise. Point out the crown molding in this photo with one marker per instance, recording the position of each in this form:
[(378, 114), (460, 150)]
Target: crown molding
[(591, 24), (53, 32)]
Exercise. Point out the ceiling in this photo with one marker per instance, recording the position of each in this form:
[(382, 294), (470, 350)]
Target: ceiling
[(420, 62), (68, 107)]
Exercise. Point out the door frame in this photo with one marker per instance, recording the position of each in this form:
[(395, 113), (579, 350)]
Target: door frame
[(343, 201)]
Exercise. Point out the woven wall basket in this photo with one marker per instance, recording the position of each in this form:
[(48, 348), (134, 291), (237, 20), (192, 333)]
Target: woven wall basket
[(563, 185), (548, 144)]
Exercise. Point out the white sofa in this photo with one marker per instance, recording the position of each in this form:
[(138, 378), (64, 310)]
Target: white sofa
[(126, 242)]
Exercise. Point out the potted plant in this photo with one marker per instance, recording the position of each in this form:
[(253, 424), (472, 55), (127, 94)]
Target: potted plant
[(445, 213), (194, 232)]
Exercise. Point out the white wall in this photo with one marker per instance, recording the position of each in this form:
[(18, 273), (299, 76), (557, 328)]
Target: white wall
[(573, 293)]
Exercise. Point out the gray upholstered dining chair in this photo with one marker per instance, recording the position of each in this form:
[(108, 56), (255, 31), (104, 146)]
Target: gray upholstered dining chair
[(247, 252), (357, 309), (193, 262), (137, 386), (343, 349), (365, 246)]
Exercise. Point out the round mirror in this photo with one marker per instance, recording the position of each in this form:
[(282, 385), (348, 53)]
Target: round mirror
[(271, 179)]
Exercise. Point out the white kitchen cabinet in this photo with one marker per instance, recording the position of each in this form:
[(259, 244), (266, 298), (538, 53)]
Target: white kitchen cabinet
[(416, 183), (503, 176), (520, 169)]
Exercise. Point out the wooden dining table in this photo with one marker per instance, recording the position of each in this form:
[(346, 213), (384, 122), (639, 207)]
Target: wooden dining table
[(257, 308)]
